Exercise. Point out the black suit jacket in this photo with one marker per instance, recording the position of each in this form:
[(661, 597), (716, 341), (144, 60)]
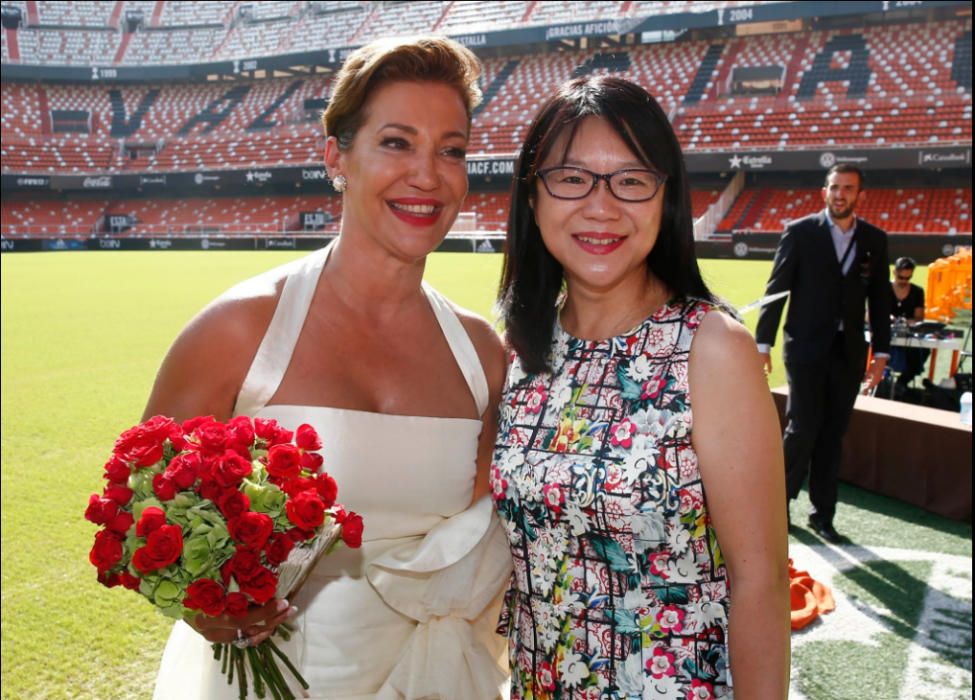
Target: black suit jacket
[(821, 295)]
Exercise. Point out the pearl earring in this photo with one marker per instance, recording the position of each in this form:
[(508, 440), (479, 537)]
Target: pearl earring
[(340, 183)]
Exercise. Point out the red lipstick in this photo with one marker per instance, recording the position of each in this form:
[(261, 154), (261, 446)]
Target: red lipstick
[(416, 211), (598, 242)]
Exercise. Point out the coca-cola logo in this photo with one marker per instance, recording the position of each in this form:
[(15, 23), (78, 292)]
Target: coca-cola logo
[(101, 182)]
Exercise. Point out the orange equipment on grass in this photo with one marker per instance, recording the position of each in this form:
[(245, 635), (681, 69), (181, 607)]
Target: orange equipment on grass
[(949, 286)]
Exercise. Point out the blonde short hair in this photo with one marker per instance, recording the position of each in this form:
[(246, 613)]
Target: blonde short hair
[(424, 59)]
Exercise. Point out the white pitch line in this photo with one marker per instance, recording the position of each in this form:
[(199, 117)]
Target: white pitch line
[(943, 629), (939, 663)]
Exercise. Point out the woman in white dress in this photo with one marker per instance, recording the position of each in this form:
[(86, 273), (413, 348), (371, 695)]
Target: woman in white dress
[(401, 385)]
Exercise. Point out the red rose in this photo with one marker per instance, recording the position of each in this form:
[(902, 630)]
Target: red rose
[(207, 595), (118, 493), (152, 519), (109, 580), (243, 564), (117, 471), (293, 487), (162, 548), (144, 443), (121, 522), (184, 469), (352, 528), (251, 529), (306, 438), (311, 461), (270, 431), (211, 490), (100, 509), (260, 586), (306, 510), (296, 534), (191, 424), (327, 489), (164, 488), (265, 428), (229, 469), (129, 581), (279, 545), (233, 503), (240, 435), (284, 461), (237, 604), (212, 436), (107, 551)]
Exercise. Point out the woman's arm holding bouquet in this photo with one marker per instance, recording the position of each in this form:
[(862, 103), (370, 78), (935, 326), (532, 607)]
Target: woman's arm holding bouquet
[(200, 376)]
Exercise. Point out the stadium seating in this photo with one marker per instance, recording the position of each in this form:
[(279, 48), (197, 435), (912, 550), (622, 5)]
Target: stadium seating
[(491, 209), (904, 102), (26, 218), (702, 199), (73, 14), (226, 215), (483, 16), (870, 86), (400, 19), (896, 210), (196, 14), (248, 40), (574, 11), (70, 47), (932, 210), (171, 45)]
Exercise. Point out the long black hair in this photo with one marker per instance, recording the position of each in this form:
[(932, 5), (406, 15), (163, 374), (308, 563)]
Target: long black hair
[(532, 278)]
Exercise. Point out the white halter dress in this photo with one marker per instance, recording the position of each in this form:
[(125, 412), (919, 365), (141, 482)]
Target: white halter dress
[(411, 614)]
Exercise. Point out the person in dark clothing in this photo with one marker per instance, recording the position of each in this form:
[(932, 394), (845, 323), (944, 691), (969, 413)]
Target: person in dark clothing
[(906, 308), (907, 299), (833, 264)]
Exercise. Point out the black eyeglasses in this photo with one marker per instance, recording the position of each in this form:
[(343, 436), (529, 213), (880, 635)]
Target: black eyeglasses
[(630, 185), (904, 279)]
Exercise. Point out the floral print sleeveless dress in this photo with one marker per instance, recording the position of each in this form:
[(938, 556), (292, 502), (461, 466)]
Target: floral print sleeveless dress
[(619, 588)]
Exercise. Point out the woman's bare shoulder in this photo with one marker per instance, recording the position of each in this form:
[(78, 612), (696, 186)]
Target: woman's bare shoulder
[(206, 364), (240, 313), (487, 342), (722, 340)]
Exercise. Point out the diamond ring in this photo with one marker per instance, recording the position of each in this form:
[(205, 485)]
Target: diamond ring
[(241, 642)]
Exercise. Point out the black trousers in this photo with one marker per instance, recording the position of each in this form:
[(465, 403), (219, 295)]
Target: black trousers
[(821, 398)]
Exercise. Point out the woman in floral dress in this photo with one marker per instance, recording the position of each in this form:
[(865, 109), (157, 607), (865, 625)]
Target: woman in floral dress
[(638, 470)]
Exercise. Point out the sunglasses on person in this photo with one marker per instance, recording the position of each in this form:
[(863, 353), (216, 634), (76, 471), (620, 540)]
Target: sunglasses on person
[(904, 278), (628, 185)]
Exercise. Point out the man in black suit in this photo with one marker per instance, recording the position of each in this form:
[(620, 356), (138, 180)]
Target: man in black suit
[(833, 264)]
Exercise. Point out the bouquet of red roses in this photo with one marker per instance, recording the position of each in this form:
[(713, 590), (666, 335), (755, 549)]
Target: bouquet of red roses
[(216, 518)]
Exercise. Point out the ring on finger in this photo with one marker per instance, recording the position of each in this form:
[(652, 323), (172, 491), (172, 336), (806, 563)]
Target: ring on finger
[(242, 641)]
